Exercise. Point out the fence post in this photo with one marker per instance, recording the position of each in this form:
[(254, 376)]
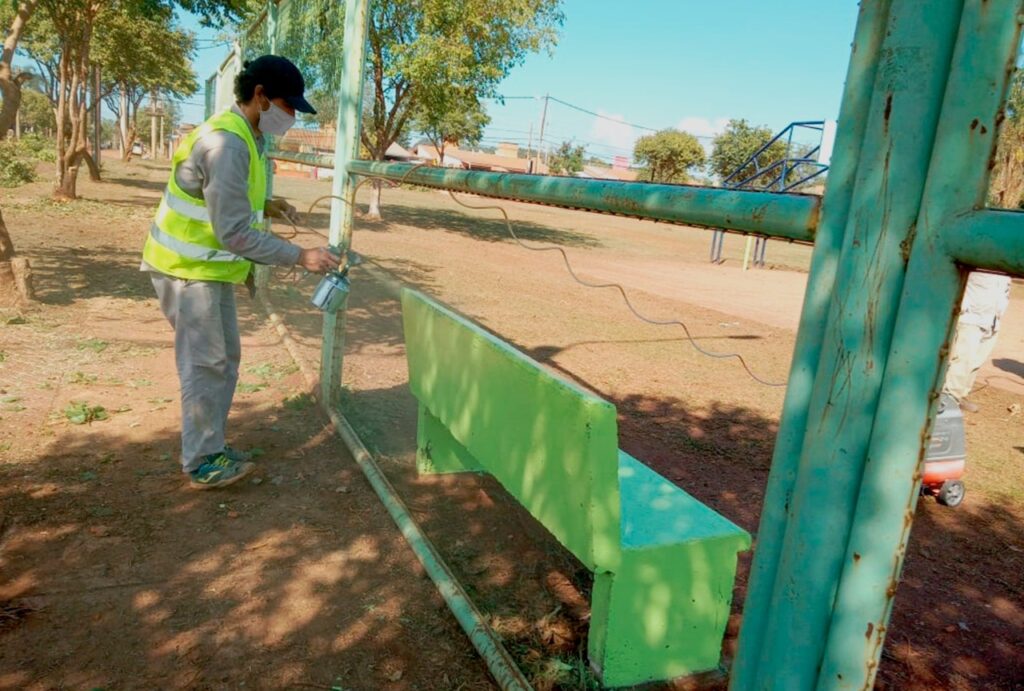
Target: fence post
[(860, 79), (901, 123), (346, 148), (957, 184)]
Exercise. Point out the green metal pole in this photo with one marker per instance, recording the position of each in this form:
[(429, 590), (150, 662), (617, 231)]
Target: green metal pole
[(909, 84), (262, 271), (788, 216), (860, 79), (346, 148), (989, 239), (957, 183)]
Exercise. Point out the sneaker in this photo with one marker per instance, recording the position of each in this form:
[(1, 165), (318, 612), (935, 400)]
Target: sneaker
[(237, 455), (217, 470)]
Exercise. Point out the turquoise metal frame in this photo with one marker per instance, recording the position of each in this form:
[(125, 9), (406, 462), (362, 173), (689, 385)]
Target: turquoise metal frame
[(901, 222)]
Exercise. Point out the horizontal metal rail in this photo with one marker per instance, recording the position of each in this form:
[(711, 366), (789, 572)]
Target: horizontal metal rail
[(991, 239), (787, 216), (318, 160)]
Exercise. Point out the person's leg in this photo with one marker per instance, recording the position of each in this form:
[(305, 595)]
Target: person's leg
[(961, 372), (981, 354), (232, 350), (194, 310)]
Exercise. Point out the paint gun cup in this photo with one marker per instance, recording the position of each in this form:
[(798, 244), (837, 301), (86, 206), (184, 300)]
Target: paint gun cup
[(334, 287)]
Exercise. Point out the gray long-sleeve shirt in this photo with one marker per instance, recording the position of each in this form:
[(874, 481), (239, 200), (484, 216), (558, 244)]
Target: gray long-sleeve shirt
[(217, 171)]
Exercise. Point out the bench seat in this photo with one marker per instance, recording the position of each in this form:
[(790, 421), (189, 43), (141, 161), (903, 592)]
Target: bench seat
[(664, 563)]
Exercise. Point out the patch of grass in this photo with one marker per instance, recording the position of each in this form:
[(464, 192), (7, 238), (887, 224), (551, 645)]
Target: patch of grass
[(246, 387), (82, 378), (17, 320), (138, 383), (262, 370), (12, 404), (81, 413), (268, 370), (300, 401), (96, 345), (3, 356)]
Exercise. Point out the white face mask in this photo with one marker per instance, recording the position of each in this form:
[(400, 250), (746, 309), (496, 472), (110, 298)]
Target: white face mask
[(275, 120)]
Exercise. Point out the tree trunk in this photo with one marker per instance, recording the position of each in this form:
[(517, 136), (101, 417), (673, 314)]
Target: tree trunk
[(15, 274), (122, 123), (373, 212), (94, 170), (10, 86)]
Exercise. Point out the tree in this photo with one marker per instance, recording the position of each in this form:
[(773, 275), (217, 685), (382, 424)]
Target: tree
[(10, 84), (734, 146), (62, 46), (415, 51), (1006, 187), (36, 111), (140, 56), (566, 160), (450, 115), (668, 155)]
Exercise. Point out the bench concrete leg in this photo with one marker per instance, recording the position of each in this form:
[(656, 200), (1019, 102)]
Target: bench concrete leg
[(663, 613), (437, 451)]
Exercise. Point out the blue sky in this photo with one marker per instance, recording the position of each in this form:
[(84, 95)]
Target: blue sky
[(692, 64)]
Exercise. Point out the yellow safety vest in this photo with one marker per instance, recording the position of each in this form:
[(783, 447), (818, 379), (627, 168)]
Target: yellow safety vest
[(181, 240)]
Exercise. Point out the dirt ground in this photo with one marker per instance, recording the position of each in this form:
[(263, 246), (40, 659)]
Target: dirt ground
[(114, 575)]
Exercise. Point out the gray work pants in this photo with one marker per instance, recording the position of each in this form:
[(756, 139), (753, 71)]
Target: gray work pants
[(207, 350)]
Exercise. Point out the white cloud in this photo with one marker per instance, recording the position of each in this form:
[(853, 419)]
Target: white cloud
[(702, 127), (612, 129)]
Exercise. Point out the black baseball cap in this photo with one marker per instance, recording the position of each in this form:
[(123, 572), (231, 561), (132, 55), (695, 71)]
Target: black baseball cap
[(280, 79)]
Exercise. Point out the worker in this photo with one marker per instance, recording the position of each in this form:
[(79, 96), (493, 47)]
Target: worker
[(986, 298), (207, 234)]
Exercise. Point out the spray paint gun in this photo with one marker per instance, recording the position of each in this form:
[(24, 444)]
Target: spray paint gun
[(334, 287)]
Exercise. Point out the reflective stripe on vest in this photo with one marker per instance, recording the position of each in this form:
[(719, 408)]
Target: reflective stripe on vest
[(189, 250), (200, 213)]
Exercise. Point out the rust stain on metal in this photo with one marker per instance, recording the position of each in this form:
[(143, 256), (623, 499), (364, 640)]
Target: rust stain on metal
[(974, 124), (871, 629), (856, 556), (888, 110)]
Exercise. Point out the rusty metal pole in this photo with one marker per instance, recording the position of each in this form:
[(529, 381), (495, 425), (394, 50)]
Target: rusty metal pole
[(909, 84), (957, 184), (860, 79), (346, 148)]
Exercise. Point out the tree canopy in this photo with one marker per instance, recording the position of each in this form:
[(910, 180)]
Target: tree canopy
[(668, 155), (428, 62), (733, 147), (566, 159)]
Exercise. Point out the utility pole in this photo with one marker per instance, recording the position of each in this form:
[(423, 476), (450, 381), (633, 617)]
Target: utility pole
[(529, 148), (163, 141), (17, 124), (540, 139)]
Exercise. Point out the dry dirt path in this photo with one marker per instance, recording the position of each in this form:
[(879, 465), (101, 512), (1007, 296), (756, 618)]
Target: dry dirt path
[(112, 573)]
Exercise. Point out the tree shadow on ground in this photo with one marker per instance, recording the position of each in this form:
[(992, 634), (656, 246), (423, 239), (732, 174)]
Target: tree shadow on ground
[(63, 274), (123, 577)]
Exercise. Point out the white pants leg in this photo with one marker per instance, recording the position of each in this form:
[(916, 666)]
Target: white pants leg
[(972, 346)]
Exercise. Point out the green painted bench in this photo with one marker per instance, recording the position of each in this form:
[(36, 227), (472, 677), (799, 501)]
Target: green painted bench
[(663, 563)]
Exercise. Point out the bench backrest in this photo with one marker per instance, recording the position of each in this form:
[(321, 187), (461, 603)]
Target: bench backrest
[(551, 444)]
